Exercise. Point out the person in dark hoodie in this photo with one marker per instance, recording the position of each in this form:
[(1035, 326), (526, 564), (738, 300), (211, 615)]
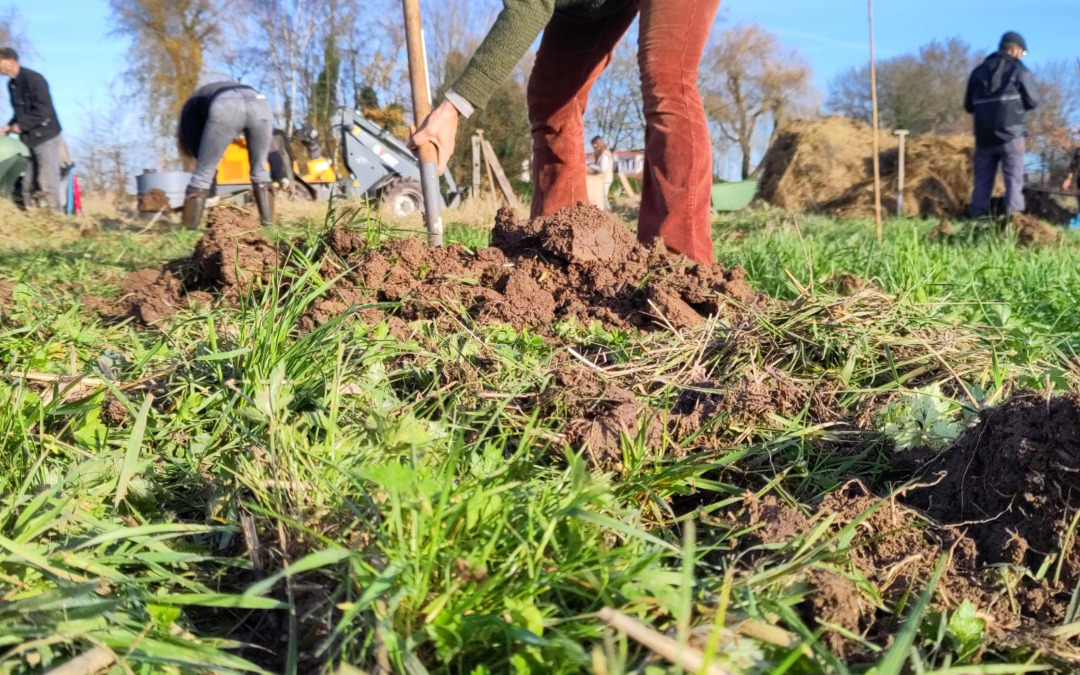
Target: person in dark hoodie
[(215, 115), (38, 127), (1000, 93)]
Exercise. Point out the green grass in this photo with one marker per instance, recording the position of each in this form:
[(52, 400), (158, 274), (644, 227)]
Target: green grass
[(979, 278), (343, 498)]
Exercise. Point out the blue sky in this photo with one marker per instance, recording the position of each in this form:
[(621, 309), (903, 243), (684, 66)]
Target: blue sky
[(75, 50)]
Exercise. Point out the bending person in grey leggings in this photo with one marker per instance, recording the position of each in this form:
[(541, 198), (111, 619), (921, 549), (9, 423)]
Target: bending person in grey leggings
[(214, 116)]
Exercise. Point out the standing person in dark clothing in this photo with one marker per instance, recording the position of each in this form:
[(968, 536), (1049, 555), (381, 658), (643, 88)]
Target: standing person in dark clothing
[(215, 115), (1000, 93), (36, 123), (579, 39)]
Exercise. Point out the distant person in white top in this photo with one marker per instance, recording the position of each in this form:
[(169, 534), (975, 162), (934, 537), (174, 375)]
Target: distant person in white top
[(603, 165)]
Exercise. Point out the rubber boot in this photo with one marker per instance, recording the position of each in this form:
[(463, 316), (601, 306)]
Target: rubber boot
[(194, 205), (264, 201)]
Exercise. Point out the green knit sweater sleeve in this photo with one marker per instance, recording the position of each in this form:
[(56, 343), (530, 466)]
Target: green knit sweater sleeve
[(509, 39)]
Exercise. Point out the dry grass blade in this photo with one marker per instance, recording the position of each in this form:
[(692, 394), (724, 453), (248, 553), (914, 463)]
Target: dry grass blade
[(89, 663), (681, 655)]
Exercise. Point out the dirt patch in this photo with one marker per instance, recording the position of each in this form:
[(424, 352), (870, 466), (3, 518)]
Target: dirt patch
[(114, 413), (773, 521), (601, 414), (155, 201), (896, 551), (1012, 480), (234, 254), (824, 166), (231, 257), (1030, 231), (580, 263), (835, 599), (152, 295)]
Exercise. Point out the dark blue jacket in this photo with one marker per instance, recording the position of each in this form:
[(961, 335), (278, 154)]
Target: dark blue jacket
[(1000, 93)]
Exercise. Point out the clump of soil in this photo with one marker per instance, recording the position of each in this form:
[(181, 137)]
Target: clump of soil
[(1012, 480), (1031, 231), (836, 600), (1005, 496), (774, 522), (154, 201), (232, 256), (579, 263), (152, 295), (600, 414), (896, 551), (114, 413)]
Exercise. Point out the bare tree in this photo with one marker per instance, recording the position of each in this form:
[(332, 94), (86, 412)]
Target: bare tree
[(373, 55), (170, 43), (106, 159), (750, 81), (1052, 127), (616, 111), (461, 25), (921, 92), (13, 31), (291, 33)]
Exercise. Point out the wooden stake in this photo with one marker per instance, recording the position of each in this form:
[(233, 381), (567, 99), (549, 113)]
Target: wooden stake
[(500, 176), (877, 141)]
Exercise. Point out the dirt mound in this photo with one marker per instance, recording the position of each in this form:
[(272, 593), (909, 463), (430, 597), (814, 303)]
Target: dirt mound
[(896, 551), (154, 201), (826, 166), (232, 256), (1012, 481), (579, 263), (1030, 231), (600, 414)]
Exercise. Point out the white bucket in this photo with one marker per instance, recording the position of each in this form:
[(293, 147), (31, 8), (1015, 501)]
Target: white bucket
[(172, 183)]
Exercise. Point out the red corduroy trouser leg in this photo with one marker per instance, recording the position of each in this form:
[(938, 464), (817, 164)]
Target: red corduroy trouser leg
[(678, 153)]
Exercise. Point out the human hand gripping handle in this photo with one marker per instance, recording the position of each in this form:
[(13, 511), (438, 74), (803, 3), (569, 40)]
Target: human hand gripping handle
[(439, 129)]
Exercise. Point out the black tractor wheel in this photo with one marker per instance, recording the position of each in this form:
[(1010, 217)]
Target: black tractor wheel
[(403, 198)]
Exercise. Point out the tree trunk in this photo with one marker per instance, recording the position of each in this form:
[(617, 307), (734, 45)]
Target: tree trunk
[(747, 150)]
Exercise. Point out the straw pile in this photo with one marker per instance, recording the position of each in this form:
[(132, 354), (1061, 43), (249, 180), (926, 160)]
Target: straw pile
[(826, 166)]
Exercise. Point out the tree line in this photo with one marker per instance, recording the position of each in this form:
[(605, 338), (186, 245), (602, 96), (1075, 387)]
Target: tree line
[(311, 56)]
